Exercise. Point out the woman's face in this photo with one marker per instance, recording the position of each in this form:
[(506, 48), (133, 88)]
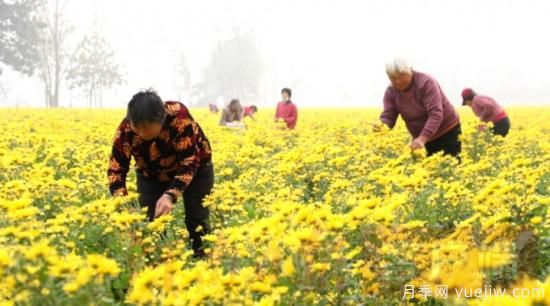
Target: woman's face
[(285, 96), (401, 80)]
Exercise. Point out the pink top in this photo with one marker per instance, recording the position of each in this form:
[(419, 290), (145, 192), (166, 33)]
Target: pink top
[(487, 109), (247, 111), (288, 112), (423, 106)]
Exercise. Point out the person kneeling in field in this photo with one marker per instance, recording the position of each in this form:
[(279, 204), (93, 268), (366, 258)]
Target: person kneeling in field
[(429, 116), (172, 161), (487, 109), (232, 114), (249, 111)]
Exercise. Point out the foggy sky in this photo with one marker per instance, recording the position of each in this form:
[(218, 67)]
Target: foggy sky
[(331, 53)]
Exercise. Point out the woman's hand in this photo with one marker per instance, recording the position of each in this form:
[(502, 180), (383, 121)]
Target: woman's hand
[(418, 143), (164, 205)]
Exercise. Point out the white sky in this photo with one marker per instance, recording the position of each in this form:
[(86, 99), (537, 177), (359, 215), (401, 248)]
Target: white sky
[(331, 53)]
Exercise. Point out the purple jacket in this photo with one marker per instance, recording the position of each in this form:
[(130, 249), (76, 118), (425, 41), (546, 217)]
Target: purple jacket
[(423, 106), (487, 109)]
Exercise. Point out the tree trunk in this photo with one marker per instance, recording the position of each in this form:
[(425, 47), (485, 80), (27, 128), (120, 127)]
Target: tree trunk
[(57, 69)]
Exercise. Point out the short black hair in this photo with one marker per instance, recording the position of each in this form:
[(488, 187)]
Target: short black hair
[(254, 107), (146, 107), (288, 91)]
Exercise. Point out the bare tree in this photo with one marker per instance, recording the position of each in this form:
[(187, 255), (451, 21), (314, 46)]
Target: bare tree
[(182, 83), (94, 68), (53, 55), (4, 89), (234, 71)]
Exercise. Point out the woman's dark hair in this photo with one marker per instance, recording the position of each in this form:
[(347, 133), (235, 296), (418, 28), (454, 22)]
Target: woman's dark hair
[(470, 96), (235, 105), (288, 91), (146, 107), (254, 107)]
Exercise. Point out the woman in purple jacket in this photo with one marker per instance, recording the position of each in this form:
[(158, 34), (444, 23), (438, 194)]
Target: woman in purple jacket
[(487, 109), (429, 116)]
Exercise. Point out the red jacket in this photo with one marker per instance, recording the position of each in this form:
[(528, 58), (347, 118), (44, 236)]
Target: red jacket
[(288, 112), (247, 111)]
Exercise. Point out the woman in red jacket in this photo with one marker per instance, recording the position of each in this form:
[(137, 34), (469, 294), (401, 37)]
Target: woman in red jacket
[(287, 110)]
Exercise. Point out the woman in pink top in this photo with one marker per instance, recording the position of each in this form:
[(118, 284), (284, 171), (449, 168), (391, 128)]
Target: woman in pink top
[(249, 111), (487, 109), (429, 116)]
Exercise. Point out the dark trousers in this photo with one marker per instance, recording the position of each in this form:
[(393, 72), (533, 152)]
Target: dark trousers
[(501, 127), (448, 143), (195, 214)]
